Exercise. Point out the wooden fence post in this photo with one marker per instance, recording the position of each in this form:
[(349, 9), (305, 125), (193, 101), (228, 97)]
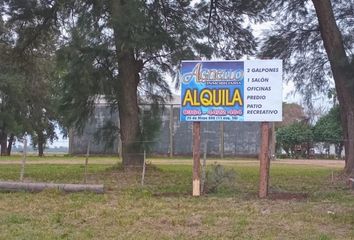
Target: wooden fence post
[(86, 161), (171, 130), (23, 159), (222, 140), (144, 167)]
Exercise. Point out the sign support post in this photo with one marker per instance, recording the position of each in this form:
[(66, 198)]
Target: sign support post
[(264, 161), (196, 158), (227, 91)]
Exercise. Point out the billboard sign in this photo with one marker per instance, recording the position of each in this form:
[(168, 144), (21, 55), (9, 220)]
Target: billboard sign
[(249, 90)]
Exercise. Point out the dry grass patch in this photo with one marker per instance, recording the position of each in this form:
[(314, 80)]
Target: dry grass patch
[(164, 209)]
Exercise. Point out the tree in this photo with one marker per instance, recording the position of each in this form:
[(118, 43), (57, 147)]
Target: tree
[(342, 69), (25, 80), (121, 58), (12, 103), (120, 49), (328, 129), (316, 42), (42, 114), (295, 135)]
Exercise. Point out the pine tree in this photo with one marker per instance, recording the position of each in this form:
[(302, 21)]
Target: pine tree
[(27, 41), (121, 49)]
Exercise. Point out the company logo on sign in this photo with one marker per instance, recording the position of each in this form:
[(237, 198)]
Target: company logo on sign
[(199, 74), (212, 97)]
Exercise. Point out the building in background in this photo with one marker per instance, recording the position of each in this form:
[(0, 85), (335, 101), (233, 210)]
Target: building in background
[(236, 139)]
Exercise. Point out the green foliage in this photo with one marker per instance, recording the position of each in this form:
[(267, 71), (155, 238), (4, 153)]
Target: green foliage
[(151, 125), (227, 29), (107, 134), (12, 89), (26, 93), (294, 134), (328, 128), (159, 34), (42, 115)]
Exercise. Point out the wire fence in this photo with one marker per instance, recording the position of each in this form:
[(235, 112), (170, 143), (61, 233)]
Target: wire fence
[(172, 137), (26, 172), (84, 170)]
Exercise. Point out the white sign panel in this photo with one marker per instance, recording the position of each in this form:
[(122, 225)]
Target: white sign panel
[(263, 90)]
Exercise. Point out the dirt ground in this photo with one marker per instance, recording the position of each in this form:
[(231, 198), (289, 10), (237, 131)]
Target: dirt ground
[(312, 162), (112, 160)]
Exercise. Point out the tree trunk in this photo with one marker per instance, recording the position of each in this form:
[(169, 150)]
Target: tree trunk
[(349, 164), (41, 142), (339, 150), (3, 143), (129, 111), (40, 186), (333, 43), (128, 81), (9, 146)]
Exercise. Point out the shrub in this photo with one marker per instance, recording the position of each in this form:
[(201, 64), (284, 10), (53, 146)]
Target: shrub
[(217, 177)]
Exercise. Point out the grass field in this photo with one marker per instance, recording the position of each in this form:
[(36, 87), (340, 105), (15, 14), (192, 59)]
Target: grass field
[(164, 209)]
